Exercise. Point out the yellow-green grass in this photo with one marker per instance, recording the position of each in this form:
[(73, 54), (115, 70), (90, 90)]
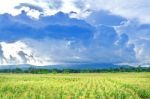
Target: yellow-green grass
[(75, 86)]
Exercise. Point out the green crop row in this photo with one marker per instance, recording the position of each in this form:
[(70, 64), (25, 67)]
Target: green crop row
[(75, 86)]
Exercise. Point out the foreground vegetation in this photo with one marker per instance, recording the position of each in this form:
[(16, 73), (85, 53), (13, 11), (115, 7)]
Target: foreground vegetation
[(75, 86)]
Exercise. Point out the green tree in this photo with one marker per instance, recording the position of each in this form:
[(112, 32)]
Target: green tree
[(139, 68)]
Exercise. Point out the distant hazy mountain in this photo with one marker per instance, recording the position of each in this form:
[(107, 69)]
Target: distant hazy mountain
[(68, 66)]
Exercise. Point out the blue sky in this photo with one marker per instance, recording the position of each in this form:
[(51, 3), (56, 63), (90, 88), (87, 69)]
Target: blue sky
[(47, 32)]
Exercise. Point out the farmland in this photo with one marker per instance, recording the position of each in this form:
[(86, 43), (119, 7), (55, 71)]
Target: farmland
[(75, 86)]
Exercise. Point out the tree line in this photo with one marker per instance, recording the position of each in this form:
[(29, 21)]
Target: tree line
[(54, 71)]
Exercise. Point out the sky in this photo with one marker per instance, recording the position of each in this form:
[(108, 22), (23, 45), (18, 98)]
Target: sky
[(50, 32)]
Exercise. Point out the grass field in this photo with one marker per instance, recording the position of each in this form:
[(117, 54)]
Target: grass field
[(75, 86)]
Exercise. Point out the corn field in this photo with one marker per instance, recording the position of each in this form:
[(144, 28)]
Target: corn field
[(75, 86)]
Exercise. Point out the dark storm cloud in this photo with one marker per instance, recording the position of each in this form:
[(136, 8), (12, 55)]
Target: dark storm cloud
[(58, 26), (71, 39)]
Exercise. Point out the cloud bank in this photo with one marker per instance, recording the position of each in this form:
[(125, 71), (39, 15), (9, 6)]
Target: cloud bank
[(74, 31), (62, 39)]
